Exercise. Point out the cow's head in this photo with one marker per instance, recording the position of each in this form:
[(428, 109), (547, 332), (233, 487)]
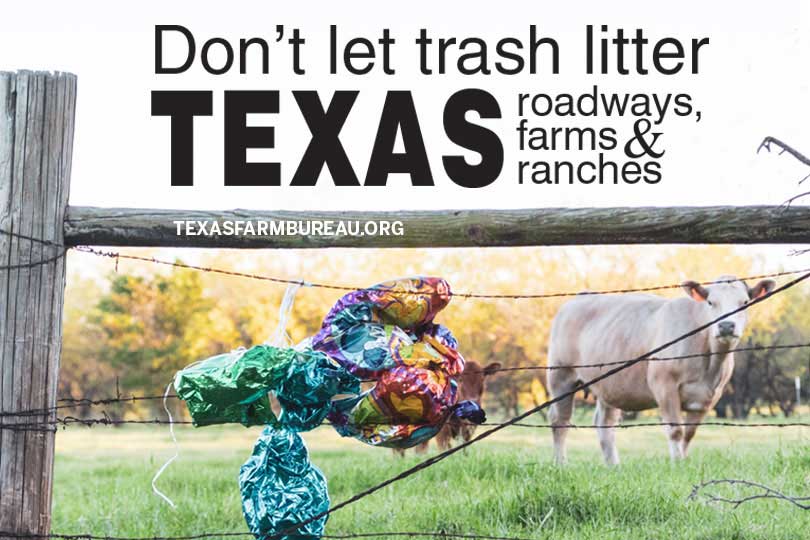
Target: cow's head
[(727, 294), (472, 384), (473, 378)]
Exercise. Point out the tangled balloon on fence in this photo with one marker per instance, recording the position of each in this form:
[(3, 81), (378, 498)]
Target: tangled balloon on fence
[(383, 335)]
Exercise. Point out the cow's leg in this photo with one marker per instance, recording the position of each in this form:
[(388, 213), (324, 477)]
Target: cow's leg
[(693, 418), (606, 415), (466, 432), (561, 381), (669, 403), (421, 448), (444, 437)]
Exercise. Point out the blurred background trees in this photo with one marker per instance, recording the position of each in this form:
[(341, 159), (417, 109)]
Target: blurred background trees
[(764, 382), (131, 326)]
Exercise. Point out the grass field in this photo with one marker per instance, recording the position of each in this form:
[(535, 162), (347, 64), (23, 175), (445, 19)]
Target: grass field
[(505, 485)]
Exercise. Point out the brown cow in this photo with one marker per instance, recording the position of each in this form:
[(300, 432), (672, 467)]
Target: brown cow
[(471, 386)]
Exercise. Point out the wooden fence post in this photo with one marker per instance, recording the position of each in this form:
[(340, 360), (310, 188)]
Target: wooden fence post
[(36, 140)]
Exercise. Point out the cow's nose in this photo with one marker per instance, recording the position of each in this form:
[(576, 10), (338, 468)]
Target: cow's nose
[(726, 328)]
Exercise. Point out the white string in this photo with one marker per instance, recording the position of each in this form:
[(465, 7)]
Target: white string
[(176, 450), (303, 345), (280, 337)]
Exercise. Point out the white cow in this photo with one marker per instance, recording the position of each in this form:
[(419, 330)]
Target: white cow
[(596, 329)]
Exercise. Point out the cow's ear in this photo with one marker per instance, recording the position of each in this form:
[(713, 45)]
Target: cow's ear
[(695, 290), (492, 368), (761, 289)]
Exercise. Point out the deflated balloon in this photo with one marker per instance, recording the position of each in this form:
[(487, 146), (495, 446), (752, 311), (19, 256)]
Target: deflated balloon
[(281, 488), (366, 328), (306, 392), (233, 387), (386, 333)]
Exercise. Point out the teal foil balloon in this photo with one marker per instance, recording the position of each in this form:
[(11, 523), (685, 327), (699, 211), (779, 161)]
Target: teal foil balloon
[(281, 488), (305, 394), (233, 387)]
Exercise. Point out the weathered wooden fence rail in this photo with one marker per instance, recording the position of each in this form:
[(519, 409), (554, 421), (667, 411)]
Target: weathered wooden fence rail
[(36, 138), (457, 228)]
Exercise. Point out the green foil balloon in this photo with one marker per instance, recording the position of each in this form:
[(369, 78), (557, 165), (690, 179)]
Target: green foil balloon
[(233, 387)]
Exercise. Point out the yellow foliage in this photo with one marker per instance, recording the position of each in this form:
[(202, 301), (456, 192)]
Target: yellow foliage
[(158, 319)]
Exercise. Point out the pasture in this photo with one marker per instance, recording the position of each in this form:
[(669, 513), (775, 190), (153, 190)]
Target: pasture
[(505, 485)]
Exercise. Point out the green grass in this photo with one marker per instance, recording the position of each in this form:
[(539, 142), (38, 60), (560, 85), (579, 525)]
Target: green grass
[(505, 485)]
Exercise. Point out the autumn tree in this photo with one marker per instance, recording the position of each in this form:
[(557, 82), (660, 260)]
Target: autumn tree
[(153, 326)]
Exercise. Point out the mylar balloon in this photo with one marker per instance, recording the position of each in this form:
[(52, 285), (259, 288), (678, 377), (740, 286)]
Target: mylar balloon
[(281, 488), (385, 334)]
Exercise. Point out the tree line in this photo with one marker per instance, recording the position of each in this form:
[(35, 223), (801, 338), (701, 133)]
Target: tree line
[(132, 327)]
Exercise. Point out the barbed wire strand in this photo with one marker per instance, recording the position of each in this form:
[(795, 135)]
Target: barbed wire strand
[(71, 402), (753, 348), (347, 536), (34, 239), (109, 421), (464, 295), (32, 264), (765, 492), (662, 424), (488, 433)]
